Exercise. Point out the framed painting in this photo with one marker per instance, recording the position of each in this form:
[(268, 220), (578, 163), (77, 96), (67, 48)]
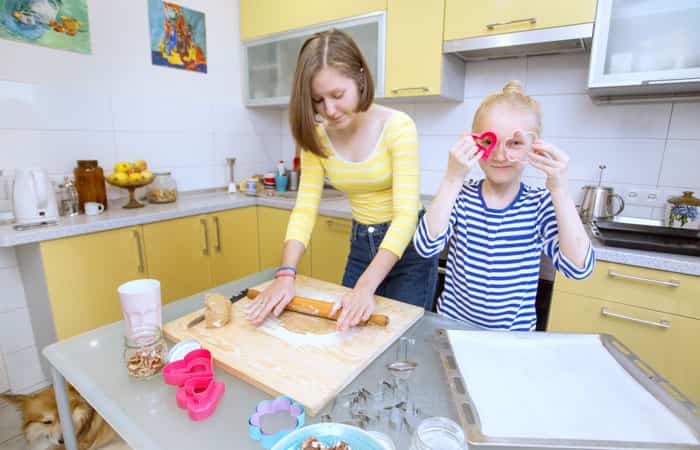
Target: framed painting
[(178, 36), (61, 24)]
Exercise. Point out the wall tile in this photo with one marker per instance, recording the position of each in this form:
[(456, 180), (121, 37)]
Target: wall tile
[(15, 330), (24, 369), (11, 290), (486, 77), (430, 181), (557, 74), (445, 118), (577, 116), (685, 121), (8, 258), (434, 152), (679, 167), (173, 113), (166, 150)]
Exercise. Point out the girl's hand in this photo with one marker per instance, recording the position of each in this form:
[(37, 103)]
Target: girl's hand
[(356, 306), (464, 155), (273, 299), (553, 162)]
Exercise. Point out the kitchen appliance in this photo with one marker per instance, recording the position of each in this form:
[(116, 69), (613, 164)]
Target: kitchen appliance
[(597, 201), (297, 355), (34, 197), (646, 234)]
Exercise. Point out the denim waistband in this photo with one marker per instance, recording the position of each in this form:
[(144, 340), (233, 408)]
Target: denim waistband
[(375, 229)]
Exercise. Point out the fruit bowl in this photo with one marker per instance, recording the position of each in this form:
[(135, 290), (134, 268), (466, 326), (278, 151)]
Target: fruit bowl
[(131, 186)]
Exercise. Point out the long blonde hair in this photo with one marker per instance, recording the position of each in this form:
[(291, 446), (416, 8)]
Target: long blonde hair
[(331, 48), (512, 95)]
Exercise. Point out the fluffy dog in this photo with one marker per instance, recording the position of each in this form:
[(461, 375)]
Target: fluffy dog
[(42, 428)]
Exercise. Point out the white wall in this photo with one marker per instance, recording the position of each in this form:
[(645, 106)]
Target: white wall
[(58, 106)]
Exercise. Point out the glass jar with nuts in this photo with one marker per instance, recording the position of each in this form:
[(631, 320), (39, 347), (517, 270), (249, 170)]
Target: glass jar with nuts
[(163, 189), (145, 352)]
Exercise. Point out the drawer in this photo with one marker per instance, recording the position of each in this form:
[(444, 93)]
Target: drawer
[(667, 342), (648, 288)]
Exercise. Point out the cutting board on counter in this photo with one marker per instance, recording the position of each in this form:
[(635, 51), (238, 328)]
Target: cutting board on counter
[(297, 355)]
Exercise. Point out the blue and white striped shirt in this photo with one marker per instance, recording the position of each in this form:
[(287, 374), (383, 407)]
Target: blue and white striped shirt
[(493, 260)]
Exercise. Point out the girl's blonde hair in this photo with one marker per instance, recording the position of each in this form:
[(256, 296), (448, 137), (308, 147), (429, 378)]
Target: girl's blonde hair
[(513, 96), (331, 48)]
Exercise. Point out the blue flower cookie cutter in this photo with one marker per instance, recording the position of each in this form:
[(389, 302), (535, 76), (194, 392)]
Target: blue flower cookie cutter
[(279, 404)]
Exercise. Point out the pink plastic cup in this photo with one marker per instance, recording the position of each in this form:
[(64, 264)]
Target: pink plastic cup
[(141, 304)]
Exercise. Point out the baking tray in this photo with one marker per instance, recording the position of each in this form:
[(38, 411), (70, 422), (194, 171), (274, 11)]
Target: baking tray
[(647, 226), (515, 390), (645, 241)]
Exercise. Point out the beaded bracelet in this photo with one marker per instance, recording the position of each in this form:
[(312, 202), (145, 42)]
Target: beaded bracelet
[(292, 268), (279, 275)]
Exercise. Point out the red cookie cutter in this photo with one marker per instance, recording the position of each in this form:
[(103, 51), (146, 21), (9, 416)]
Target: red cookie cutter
[(196, 363), (199, 396), (479, 141)]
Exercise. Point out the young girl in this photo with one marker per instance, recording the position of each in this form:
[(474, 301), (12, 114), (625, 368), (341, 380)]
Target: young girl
[(499, 226), (368, 151)]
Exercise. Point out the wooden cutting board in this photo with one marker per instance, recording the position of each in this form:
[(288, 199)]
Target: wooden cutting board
[(296, 355)]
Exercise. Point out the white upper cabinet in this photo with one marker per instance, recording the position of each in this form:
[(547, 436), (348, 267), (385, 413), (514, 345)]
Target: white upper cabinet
[(269, 63), (646, 48)]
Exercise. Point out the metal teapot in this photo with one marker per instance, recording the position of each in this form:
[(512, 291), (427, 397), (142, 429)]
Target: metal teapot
[(597, 201)]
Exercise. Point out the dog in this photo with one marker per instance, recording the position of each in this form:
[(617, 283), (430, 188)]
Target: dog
[(42, 428)]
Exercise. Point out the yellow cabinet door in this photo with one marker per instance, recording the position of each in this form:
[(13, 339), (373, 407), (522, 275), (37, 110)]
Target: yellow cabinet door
[(264, 17), (178, 252), (272, 225), (331, 244), (234, 248), (83, 274), (414, 47), (667, 342), (470, 18)]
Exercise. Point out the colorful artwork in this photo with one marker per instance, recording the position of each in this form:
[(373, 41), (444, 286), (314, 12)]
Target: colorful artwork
[(52, 23), (178, 36)]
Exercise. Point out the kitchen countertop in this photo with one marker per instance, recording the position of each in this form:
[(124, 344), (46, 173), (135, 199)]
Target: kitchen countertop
[(144, 413), (204, 202)]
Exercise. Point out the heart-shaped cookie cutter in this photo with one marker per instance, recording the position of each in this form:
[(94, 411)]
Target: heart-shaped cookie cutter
[(479, 142), (196, 363), (269, 407)]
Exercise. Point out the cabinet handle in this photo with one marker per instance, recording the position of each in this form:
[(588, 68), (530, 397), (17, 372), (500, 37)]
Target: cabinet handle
[(217, 242), (661, 324), (414, 88), (141, 266), (205, 248), (530, 20), (672, 80), (344, 226), (624, 276)]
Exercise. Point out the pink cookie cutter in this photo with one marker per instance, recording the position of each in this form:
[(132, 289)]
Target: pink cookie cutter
[(199, 396), (480, 141), (196, 363)]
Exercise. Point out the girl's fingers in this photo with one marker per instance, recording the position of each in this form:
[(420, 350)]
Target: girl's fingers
[(336, 306), (366, 313), (543, 160), (281, 305)]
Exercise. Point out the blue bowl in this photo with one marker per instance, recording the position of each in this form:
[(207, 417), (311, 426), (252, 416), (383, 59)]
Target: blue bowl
[(329, 434)]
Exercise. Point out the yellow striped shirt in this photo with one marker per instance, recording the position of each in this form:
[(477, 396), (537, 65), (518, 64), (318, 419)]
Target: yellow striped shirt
[(382, 188)]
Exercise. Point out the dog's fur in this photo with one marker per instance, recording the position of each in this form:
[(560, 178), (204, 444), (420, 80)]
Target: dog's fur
[(42, 428)]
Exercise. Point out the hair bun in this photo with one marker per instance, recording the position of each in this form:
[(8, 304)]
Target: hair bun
[(513, 87)]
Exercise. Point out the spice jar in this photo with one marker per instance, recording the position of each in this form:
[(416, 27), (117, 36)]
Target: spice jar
[(163, 189), (145, 352), (682, 212), (90, 183), (438, 433)]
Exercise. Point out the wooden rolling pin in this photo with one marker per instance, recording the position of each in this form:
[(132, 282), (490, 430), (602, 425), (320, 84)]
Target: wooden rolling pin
[(319, 308)]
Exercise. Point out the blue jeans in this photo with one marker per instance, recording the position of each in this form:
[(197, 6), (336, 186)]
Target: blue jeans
[(412, 280)]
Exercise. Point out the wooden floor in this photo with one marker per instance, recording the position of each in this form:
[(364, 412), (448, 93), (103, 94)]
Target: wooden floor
[(11, 431)]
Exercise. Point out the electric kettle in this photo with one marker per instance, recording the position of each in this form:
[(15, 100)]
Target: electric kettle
[(33, 197), (597, 201)]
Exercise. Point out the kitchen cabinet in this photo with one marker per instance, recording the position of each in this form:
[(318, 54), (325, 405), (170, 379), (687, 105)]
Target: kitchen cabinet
[(260, 18), (469, 19), (331, 243), (649, 318), (178, 253), (626, 59), (82, 274), (234, 251), (272, 225), (4, 382), (415, 64), (195, 253)]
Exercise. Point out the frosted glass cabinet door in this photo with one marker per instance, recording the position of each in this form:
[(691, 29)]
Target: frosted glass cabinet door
[(643, 42), (269, 63)]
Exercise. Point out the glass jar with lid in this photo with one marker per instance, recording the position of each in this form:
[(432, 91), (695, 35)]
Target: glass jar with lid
[(90, 183), (163, 189), (145, 352), (438, 433), (683, 211)]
